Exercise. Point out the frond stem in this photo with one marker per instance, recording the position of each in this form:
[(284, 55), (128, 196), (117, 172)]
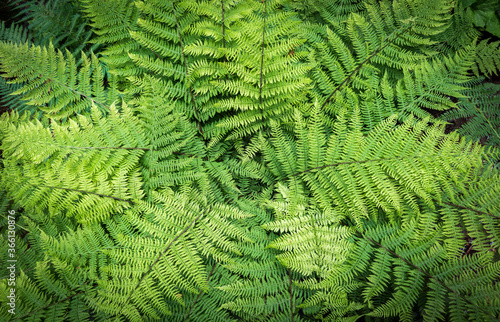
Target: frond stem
[(362, 161), (79, 93), (86, 192), (223, 27), (471, 209), (126, 148), (291, 294), (186, 68), (200, 294), (262, 60), (103, 147)]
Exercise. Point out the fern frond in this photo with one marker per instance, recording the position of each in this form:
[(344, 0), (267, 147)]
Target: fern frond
[(437, 83), (487, 58), (52, 81), (80, 164), (58, 22), (353, 164), (254, 74), (480, 108), (178, 268)]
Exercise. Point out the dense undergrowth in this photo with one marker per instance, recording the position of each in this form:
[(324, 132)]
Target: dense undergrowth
[(270, 160)]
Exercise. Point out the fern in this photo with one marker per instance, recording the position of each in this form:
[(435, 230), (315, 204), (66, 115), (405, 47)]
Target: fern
[(58, 22), (240, 160), (52, 82), (480, 107), (487, 59)]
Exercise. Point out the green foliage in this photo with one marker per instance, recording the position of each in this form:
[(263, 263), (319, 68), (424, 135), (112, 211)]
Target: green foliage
[(480, 109), (248, 160), (18, 35), (56, 21), (488, 58), (485, 14), (52, 82)]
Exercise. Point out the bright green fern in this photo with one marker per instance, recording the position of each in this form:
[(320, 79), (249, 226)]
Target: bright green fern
[(248, 160)]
